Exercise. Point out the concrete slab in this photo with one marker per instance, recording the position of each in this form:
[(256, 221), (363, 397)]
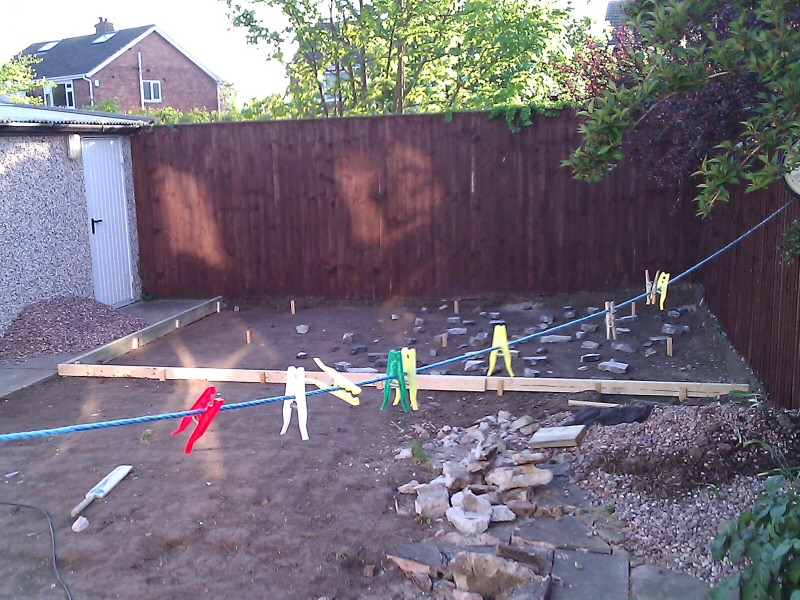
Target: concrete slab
[(581, 575), (649, 582), (568, 533), (15, 375)]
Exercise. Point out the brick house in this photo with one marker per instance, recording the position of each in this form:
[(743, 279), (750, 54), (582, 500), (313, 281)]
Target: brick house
[(139, 67)]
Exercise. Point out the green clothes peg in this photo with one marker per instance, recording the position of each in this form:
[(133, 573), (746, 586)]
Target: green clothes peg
[(394, 369)]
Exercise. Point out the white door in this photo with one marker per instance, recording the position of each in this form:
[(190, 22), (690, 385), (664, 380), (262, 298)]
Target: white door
[(108, 220)]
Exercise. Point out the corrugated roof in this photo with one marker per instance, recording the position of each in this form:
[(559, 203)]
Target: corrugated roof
[(78, 55), (13, 115)]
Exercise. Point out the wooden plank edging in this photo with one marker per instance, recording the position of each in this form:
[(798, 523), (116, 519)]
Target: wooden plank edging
[(144, 336), (459, 383)]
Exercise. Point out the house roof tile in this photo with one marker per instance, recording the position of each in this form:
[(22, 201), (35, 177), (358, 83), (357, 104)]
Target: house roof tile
[(78, 55)]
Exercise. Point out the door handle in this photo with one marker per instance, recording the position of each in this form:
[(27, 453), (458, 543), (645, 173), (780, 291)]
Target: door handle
[(95, 222)]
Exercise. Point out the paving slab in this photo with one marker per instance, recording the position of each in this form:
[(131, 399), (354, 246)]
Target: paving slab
[(585, 575), (569, 533), (18, 374), (649, 582)]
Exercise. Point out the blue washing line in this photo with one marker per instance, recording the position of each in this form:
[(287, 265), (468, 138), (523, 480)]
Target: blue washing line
[(8, 437)]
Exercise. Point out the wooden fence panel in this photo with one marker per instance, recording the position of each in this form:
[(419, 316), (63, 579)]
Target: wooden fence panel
[(418, 205), (755, 296)]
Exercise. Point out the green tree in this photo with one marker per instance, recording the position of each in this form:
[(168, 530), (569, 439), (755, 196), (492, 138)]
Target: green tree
[(717, 80), (18, 78), (396, 56)]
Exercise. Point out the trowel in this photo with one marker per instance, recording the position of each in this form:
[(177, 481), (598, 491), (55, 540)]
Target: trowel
[(101, 489)]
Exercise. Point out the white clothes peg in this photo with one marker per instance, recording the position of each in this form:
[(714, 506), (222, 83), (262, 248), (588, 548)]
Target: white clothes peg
[(296, 386)]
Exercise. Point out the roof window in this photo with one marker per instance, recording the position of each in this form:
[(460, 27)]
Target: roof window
[(104, 38), (47, 46)]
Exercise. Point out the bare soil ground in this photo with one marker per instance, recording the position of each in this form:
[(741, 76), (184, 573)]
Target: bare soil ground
[(251, 514)]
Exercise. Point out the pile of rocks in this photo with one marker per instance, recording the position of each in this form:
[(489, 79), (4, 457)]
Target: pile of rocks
[(487, 474)]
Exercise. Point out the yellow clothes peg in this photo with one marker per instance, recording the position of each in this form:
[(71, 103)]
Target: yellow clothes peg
[(500, 338), (409, 357), (663, 282), (349, 392)]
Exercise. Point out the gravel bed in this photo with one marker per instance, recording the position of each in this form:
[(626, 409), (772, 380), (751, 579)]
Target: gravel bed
[(677, 478), (64, 325)]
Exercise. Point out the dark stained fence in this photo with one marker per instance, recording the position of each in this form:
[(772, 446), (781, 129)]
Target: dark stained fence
[(387, 206), (416, 205), (755, 296)]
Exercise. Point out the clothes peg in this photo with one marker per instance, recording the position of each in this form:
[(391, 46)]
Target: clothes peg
[(611, 321), (210, 405), (661, 286), (409, 356), (500, 338), (394, 369), (349, 392), (296, 386)]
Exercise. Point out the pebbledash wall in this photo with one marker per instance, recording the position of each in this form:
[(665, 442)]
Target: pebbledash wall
[(44, 236)]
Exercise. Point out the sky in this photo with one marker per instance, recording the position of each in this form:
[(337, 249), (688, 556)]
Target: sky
[(201, 27)]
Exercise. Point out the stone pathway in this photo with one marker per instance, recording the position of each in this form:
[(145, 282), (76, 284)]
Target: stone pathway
[(576, 556)]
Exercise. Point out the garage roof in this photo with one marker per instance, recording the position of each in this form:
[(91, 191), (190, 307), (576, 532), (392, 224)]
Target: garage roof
[(25, 117)]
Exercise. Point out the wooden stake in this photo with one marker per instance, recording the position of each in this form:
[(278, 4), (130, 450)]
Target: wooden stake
[(633, 309), (248, 337), (263, 376), (135, 343), (682, 393), (648, 285), (444, 340), (669, 346), (500, 387), (292, 306), (455, 306), (177, 323), (162, 374), (219, 306)]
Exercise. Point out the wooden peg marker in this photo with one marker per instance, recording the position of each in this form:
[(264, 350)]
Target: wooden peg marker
[(669, 346), (248, 336), (633, 309), (444, 340), (292, 307), (682, 393), (162, 374), (135, 343), (219, 306), (500, 387), (177, 323), (455, 307), (262, 376)]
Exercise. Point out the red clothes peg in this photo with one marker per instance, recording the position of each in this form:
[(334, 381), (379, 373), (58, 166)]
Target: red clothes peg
[(210, 407)]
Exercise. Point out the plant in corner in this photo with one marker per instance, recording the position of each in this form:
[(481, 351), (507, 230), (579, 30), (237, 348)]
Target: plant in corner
[(769, 535)]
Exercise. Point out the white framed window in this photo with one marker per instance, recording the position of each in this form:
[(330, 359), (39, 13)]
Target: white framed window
[(62, 94), (151, 90)]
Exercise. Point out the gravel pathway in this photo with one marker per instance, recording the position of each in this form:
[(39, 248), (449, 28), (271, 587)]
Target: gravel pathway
[(679, 476), (64, 325)]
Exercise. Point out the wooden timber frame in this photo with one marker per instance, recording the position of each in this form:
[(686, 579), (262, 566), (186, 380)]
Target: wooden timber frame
[(90, 364), (444, 383), (144, 336)]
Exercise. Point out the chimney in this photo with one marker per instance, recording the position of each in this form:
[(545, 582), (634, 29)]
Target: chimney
[(103, 26)]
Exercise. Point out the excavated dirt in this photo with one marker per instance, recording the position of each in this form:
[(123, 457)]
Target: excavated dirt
[(250, 513)]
